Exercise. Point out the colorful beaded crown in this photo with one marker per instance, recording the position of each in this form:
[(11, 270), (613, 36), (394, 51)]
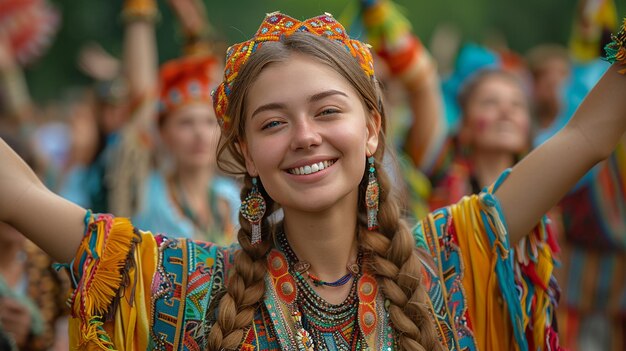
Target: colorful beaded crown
[(275, 26)]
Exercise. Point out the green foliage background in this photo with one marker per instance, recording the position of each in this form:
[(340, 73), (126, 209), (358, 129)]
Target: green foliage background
[(523, 23)]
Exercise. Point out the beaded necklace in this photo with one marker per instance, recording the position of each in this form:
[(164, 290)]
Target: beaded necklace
[(324, 325)]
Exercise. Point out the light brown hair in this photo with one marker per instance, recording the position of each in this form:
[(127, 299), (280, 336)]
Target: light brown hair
[(390, 251)]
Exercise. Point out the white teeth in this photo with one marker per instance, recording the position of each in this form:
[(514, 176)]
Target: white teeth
[(315, 167)]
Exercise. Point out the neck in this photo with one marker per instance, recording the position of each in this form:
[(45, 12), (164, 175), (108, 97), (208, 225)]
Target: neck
[(326, 239), (193, 181), (487, 166), (546, 115)]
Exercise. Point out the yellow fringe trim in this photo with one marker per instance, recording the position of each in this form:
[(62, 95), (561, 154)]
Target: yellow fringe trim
[(95, 338), (101, 279)]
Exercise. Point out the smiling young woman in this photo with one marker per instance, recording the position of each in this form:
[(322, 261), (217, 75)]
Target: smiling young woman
[(340, 269)]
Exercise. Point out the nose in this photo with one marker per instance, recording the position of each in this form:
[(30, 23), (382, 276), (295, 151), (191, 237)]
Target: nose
[(507, 110), (305, 135)]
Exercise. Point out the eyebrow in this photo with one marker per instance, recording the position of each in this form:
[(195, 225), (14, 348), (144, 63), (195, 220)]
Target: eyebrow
[(325, 94), (266, 107), (312, 98)]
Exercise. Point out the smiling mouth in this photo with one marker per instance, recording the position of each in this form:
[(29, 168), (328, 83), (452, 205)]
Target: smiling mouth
[(312, 168)]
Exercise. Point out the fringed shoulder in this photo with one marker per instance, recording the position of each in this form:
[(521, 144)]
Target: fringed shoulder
[(488, 282), (99, 271)]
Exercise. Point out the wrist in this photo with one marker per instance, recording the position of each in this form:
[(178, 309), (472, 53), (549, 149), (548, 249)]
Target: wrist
[(616, 49), (140, 10), (196, 44), (386, 26)]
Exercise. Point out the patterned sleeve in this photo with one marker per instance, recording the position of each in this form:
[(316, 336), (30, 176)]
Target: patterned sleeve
[(486, 283), (137, 291), (111, 276)]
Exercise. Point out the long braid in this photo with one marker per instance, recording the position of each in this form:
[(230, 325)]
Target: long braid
[(246, 284), (395, 262)]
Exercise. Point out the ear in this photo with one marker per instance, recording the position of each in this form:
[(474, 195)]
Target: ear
[(374, 123), (250, 166)]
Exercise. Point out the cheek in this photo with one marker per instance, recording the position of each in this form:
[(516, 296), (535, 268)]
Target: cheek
[(524, 126), (264, 153), (176, 138), (211, 134), (481, 122)]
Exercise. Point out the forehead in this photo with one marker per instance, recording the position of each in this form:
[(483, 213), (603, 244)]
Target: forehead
[(293, 80), (193, 110), (499, 84)]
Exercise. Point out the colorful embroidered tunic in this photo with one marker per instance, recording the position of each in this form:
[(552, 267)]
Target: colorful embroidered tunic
[(166, 294)]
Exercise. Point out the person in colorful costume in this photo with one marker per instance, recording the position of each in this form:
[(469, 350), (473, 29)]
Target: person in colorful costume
[(332, 272), (192, 201), (189, 199), (592, 312), (494, 133)]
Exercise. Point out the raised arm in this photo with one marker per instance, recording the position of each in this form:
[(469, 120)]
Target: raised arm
[(140, 62), (16, 97), (53, 223), (195, 26), (541, 179), (389, 33)]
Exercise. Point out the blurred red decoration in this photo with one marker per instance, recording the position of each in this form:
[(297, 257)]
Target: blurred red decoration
[(29, 26)]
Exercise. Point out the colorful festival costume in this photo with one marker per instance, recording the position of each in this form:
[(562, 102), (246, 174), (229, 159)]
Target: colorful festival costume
[(136, 291)]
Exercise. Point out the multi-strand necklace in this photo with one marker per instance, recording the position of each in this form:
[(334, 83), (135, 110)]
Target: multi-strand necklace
[(321, 322)]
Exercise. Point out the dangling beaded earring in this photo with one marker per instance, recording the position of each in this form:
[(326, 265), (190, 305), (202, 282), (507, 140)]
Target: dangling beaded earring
[(253, 209), (371, 196)]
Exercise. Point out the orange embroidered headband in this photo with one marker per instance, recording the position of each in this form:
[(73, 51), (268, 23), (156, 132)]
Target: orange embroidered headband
[(186, 80), (275, 26)]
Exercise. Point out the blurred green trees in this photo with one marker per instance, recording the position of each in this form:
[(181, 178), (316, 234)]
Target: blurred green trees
[(523, 24)]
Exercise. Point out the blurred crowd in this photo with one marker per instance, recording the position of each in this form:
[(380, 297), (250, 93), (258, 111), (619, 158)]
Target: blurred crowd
[(141, 142)]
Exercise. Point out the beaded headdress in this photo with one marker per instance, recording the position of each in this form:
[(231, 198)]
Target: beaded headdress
[(275, 26), (186, 80)]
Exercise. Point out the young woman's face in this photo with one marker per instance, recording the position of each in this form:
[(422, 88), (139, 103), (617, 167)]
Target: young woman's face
[(307, 134), (496, 118), (191, 134)]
